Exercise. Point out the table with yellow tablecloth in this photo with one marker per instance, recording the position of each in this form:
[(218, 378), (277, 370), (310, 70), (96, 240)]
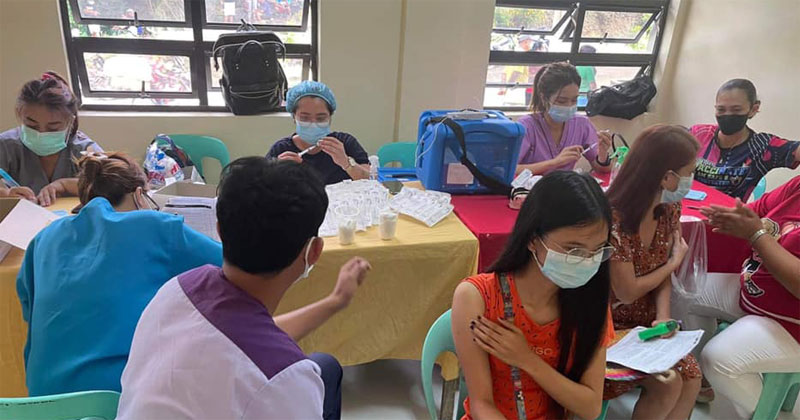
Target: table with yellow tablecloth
[(13, 330), (411, 283)]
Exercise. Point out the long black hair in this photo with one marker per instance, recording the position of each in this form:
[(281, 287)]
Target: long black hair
[(564, 199)]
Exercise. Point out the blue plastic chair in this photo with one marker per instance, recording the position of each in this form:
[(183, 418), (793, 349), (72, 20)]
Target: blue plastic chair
[(403, 152), (760, 189), (100, 405), (199, 147)]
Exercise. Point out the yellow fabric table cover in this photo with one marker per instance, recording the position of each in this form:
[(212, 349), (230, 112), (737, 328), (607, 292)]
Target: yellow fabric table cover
[(411, 283), (13, 330)]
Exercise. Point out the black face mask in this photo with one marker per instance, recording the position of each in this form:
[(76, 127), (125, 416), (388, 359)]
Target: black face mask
[(731, 124)]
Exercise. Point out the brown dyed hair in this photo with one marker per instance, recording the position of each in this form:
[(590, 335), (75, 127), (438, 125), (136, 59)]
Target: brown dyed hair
[(52, 91), (109, 176), (549, 80), (658, 149)]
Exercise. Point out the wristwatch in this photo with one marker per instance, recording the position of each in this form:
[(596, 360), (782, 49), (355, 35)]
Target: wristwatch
[(352, 162)]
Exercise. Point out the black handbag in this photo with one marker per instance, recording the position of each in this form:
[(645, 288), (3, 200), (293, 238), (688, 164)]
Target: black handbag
[(625, 100)]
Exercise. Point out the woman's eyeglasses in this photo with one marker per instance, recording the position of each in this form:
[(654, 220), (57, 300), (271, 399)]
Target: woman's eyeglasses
[(579, 255)]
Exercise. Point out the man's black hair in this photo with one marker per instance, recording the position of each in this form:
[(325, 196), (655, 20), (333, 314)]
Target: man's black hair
[(267, 212)]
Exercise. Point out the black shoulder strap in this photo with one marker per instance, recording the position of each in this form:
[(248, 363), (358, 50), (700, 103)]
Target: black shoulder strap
[(516, 376), (494, 184)]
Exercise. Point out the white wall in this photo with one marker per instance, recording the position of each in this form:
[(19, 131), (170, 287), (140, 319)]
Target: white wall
[(726, 39), (388, 60)]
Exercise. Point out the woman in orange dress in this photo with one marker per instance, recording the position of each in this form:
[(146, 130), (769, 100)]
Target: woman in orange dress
[(531, 334), (646, 200)]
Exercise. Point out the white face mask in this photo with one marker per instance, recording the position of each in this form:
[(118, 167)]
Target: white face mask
[(308, 267)]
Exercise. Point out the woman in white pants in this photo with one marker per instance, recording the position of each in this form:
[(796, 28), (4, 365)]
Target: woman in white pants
[(762, 302)]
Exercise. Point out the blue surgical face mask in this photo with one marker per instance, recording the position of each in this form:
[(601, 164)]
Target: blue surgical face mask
[(684, 185), (312, 132), (561, 113), (565, 274), (43, 144)]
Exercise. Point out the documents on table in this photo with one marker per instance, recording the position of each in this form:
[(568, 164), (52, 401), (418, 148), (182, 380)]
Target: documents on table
[(20, 221), (199, 213), (652, 356)]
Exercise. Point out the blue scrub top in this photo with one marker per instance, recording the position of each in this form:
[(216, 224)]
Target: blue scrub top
[(85, 281)]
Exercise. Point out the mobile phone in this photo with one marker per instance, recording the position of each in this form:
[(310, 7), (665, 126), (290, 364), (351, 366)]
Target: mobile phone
[(695, 195)]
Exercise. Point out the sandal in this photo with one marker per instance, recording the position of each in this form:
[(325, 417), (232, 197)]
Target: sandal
[(706, 394)]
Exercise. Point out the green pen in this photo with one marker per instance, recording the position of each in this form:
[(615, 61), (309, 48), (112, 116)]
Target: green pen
[(659, 330)]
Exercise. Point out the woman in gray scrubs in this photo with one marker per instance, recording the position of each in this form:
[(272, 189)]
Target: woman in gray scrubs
[(40, 154)]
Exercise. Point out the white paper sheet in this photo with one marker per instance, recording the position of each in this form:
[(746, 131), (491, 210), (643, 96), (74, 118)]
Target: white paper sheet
[(23, 222), (654, 356), (199, 213)]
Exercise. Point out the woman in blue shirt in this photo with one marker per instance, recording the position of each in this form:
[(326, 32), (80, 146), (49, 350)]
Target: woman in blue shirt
[(86, 279)]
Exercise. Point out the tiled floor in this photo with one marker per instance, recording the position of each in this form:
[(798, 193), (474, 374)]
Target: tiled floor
[(391, 389)]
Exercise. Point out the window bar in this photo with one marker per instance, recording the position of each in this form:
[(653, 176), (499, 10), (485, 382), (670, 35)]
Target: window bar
[(197, 62), (576, 39)]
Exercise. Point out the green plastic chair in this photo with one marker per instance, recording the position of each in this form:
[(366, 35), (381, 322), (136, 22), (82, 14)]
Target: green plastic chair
[(760, 189), (438, 341), (199, 147), (779, 392), (403, 152), (76, 405)]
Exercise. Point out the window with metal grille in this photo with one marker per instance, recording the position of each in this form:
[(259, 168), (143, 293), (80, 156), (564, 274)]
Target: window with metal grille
[(609, 41), (155, 55)]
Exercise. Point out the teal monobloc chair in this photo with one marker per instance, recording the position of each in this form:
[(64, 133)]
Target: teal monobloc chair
[(440, 340), (199, 147), (95, 405), (401, 152)]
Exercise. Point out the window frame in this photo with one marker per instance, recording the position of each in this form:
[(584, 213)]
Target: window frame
[(197, 50), (572, 33)]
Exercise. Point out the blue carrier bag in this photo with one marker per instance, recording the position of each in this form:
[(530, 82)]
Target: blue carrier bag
[(467, 152)]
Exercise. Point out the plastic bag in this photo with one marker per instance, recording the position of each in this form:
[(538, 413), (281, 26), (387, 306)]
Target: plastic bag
[(160, 168), (690, 278)]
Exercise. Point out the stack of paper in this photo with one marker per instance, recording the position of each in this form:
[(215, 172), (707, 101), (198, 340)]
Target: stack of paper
[(429, 207), (199, 213), (653, 356)]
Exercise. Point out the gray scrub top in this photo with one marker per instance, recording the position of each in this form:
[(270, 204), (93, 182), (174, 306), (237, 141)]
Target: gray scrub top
[(24, 166)]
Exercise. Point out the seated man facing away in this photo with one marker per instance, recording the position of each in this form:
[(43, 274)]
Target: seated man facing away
[(207, 345)]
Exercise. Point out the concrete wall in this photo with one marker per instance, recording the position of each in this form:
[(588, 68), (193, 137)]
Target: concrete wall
[(388, 60)]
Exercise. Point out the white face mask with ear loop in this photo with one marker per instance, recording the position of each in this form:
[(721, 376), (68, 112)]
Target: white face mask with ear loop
[(308, 267)]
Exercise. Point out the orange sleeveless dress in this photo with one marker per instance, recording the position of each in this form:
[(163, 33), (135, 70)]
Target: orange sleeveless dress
[(542, 339)]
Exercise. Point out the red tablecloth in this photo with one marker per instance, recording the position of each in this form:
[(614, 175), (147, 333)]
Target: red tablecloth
[(490, 219)]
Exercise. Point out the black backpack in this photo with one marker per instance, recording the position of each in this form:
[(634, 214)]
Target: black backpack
[(253, 81), (625, 100)]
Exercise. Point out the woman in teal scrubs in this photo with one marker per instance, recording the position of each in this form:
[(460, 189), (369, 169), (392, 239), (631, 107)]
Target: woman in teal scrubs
[(86, 279)]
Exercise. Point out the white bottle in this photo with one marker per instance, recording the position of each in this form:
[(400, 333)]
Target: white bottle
[(374, 164)]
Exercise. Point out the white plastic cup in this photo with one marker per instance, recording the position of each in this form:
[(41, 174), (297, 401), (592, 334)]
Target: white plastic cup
[(347, 232), (388, 225)]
